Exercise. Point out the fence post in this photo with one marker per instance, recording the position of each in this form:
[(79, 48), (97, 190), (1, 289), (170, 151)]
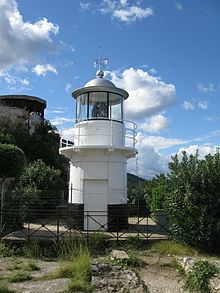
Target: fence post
[(117, 226), (58, 226), (2, 204)]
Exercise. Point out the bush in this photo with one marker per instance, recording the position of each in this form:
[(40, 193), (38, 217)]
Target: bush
[(12, 160), (193, 201), (199, 278)]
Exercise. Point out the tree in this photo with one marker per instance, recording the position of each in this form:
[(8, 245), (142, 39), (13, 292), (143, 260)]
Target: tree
[(12, 160), (193, 201), (43, 144)]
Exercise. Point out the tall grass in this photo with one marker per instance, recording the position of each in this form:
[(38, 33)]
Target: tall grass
[(78, 270)]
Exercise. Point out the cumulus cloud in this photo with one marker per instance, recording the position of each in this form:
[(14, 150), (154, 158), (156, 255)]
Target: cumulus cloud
[(42, 69), (149, 162), (22, 42), (160, 142), (205, 88), (203, 150), (124, 12), (188, 105), (155, 123), (58, 121), (148, 95)]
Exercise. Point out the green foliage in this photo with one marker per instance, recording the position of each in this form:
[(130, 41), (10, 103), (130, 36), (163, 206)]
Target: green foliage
[(12, 160), (78, 270), (199, 278), (19, 276), (7, 250), (39, 186), (4, 288), (30, 266), (193, 201), (43, 144), (97, 243), (132, 262), (134, 242), (170, 247)]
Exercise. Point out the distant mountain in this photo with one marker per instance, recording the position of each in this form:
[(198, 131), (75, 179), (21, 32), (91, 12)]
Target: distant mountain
[(133, 179)]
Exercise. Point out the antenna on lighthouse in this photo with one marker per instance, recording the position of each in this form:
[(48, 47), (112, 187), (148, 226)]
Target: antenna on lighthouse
[(101, 63)]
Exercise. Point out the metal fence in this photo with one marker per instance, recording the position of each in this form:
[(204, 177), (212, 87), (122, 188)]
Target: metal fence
[(50, 217)]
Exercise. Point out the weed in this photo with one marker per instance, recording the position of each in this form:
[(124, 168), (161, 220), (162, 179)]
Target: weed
[(173, 248), (97, 243), (199, 278), (6, 250), (80, 286), (78, 271), (4, 288), (68, 249), (30, 266), (19, 277), (175, 265), (132, 262), (134, 242), (14, 267)]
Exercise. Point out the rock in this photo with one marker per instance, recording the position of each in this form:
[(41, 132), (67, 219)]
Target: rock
[(115, 278), (119, 254)]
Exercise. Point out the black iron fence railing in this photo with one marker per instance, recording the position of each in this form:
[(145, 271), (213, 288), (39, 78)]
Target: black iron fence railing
[(66, 222)]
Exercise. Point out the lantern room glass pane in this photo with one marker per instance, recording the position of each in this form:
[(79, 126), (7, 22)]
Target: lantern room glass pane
[(116, 109), (98, 105), (81, 111)]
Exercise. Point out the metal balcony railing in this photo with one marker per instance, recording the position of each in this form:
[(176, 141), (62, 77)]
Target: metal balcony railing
[(130, 136)]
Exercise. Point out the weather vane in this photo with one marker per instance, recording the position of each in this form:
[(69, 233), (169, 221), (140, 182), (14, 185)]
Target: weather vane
[(100, 62)]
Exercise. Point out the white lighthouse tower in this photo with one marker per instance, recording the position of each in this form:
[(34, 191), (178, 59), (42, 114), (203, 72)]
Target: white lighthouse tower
[(98, 155)]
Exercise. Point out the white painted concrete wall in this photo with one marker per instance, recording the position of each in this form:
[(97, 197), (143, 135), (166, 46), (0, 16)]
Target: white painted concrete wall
[(100, 132), (99, 164)]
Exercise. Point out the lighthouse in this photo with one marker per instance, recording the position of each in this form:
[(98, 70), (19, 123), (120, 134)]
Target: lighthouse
[(98, 153)]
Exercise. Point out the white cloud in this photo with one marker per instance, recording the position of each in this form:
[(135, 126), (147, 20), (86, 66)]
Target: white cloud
[(202, 149), (203, 104), (188, 105), (155, 123), (22, 42), (123, 12), (160, 142), (42, 69), (68, 87), (206, 88), (148, 95), (61, 120), (212, 118), (84, 6), (149, 162), (24, 82), (152, 71), (179, 6)]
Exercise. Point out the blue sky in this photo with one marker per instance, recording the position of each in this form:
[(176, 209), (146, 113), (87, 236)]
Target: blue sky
[(166, 54)]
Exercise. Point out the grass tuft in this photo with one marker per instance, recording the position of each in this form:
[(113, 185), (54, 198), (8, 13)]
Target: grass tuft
[(4, 288), (30, 266), (19, 277), (173, 248)]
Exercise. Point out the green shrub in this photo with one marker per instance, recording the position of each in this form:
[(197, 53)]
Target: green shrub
[(199, 278), (193, 201), (12, 160), (7, 250)]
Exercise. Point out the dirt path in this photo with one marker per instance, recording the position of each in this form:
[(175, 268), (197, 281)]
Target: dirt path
[(160, 276)]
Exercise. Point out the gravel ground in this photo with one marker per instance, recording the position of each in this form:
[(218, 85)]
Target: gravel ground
[(160, 277)]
